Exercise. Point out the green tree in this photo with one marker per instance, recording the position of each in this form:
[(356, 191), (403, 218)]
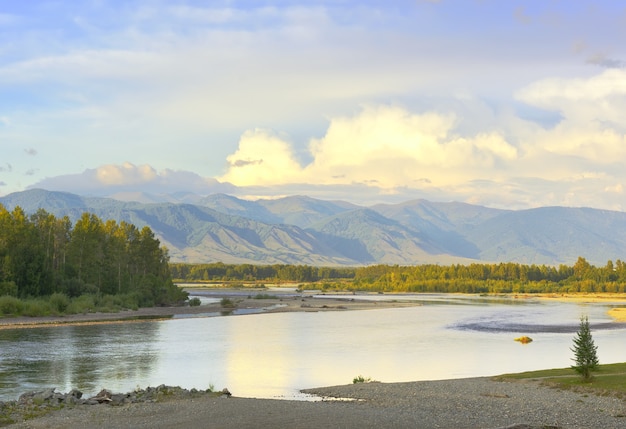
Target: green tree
[(86, 249), (585, 351)]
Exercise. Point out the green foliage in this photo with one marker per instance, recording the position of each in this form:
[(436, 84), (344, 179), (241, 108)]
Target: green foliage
[(42, 256), (82, 305), (10, 305), (610, 379), (246, 272), (227, 303), (361, 379), (8, 288), (38, 307), (264, 296), (585, 351), (194, 302), (59, 302), (429, 278)]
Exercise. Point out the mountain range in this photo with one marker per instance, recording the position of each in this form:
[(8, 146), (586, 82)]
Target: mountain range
[(303, 230)]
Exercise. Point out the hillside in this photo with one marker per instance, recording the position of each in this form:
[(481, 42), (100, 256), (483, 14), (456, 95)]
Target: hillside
[(303, 230)]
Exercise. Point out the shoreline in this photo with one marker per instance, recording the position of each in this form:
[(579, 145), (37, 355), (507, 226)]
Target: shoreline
[(481, 402), (245, 304), (275, 301)]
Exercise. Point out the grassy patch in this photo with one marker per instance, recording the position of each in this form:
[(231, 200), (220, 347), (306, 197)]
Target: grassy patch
[(361, 379), (227, 303), (607, 379), (264, 296)]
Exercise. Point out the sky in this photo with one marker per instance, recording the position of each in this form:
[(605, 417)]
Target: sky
[(510, 104)]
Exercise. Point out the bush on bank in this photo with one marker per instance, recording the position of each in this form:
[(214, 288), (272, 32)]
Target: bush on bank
[(59, 304)]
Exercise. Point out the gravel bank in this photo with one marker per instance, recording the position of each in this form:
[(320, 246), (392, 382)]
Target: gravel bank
[(277, 304), (466, 403)]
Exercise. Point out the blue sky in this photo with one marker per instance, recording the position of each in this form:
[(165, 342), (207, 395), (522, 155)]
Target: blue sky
[(510, 104)]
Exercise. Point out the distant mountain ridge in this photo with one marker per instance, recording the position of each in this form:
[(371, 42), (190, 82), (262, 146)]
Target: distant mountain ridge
[(304, 230)]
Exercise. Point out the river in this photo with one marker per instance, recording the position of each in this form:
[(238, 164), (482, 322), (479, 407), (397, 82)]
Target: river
[(274, 355)]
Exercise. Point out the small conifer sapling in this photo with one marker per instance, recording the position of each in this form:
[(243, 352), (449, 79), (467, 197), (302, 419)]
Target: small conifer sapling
[(585, 351)]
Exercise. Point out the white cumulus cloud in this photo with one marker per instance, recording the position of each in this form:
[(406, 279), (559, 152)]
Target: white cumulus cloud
[(383, 146), (125, 174)]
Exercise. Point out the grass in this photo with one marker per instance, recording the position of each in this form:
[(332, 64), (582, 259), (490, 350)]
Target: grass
[(608, 380), (265, 296), (59, 304), (227, 303), (361, 379)]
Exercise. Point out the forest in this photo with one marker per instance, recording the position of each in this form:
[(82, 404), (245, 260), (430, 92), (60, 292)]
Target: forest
[(49, 266), (473, 278), (44, 256)]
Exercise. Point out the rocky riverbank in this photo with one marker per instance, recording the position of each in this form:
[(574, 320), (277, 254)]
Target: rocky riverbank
[(42, 402), (466, 403)]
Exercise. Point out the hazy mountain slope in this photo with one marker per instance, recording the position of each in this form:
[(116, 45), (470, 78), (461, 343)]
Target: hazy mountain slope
[(451, 216), (552, 235), (366, 233), (30, 201), (236, 207), (202, 234), (194, 233), (304, 211), (444, 223), (337, 233)]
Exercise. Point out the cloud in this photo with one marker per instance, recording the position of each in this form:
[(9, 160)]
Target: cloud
[(262, 157), (558, 93), (6, 168), (2, 183), (383, 146), (110, 179), (605, 62), (592, 127), (125, 174), (30, 172), (31, 151), (387, 151)]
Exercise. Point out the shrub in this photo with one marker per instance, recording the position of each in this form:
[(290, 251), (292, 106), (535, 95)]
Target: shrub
[(10, 306), (36, 307), (59, 302), (361, 379), (265, 296), (227, 303), (82, 304), (194, 302), (128, 301), (109, 303)]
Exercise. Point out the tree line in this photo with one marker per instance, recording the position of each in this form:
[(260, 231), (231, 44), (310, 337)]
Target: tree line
[(219, 271), (42, 255), (457, 278)]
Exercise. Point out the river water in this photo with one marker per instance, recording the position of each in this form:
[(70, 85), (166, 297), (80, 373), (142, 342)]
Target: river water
[(274, 355)]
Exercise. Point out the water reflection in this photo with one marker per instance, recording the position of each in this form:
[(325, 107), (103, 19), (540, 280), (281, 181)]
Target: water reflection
[(275, 355), (83, 357)]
